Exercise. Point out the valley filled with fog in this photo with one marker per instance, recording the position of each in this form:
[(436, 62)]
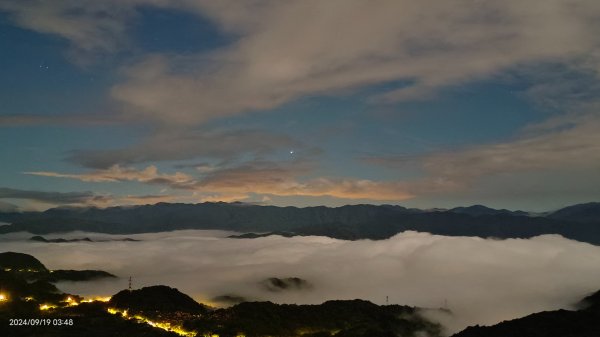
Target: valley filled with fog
[(482, 281)]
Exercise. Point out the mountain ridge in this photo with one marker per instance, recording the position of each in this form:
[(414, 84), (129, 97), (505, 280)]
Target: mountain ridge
[(351, 222), (558, 323)]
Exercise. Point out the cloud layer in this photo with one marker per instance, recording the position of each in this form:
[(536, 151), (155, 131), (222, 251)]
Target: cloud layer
[(41, 200), (483, 281), (68, 198), (240, 181), (185, 144)]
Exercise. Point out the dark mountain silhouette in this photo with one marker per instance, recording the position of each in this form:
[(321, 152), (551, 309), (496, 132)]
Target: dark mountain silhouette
[(17, 286), (26, 281), (33, 270), (42, 239), (20, 261), (591, 302), (275, 284), (229, 299), (477, 210), (89, 320), (560, 323), (39, 238), (589, 212), (24, 298), (346, 222), (354, 318), (156, 298), (261, 235)]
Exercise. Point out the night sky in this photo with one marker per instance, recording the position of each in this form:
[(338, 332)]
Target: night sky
[(418, 103)]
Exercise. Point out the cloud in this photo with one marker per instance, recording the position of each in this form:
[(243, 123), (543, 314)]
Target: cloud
[(79, 119), (239, 182), (56, 198), (558, 146), (89, 26), (145, 199), (184, 144), (482, 281), (41, 200), (334, 187), (8, 207), (348, 45), (116, 173), (568, 89), (345, 45), (556, 149), (575, 147)]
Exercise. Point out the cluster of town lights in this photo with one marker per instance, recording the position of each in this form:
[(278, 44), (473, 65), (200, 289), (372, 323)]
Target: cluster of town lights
[(165, 326), (47, 306), (161, 325), (72, 302)]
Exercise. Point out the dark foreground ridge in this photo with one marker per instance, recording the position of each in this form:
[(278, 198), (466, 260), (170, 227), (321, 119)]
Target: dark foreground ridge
[(164, 311), (579, 222), (156, 298), (18, 261), (584, 322)]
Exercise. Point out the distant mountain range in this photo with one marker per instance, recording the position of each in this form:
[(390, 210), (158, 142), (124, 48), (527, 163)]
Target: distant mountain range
[(579, 222), (477, 210), (61, 240)]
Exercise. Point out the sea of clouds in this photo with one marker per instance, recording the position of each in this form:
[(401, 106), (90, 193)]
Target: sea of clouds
[(482, 281)]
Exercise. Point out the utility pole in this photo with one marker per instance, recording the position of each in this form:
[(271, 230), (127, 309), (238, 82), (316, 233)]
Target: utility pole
[(387, 300)]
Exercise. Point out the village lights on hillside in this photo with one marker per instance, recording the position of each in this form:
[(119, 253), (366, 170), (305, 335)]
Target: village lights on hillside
[(161, 325), (71, 302), (47, 306), (94, 299), (3, 297)]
